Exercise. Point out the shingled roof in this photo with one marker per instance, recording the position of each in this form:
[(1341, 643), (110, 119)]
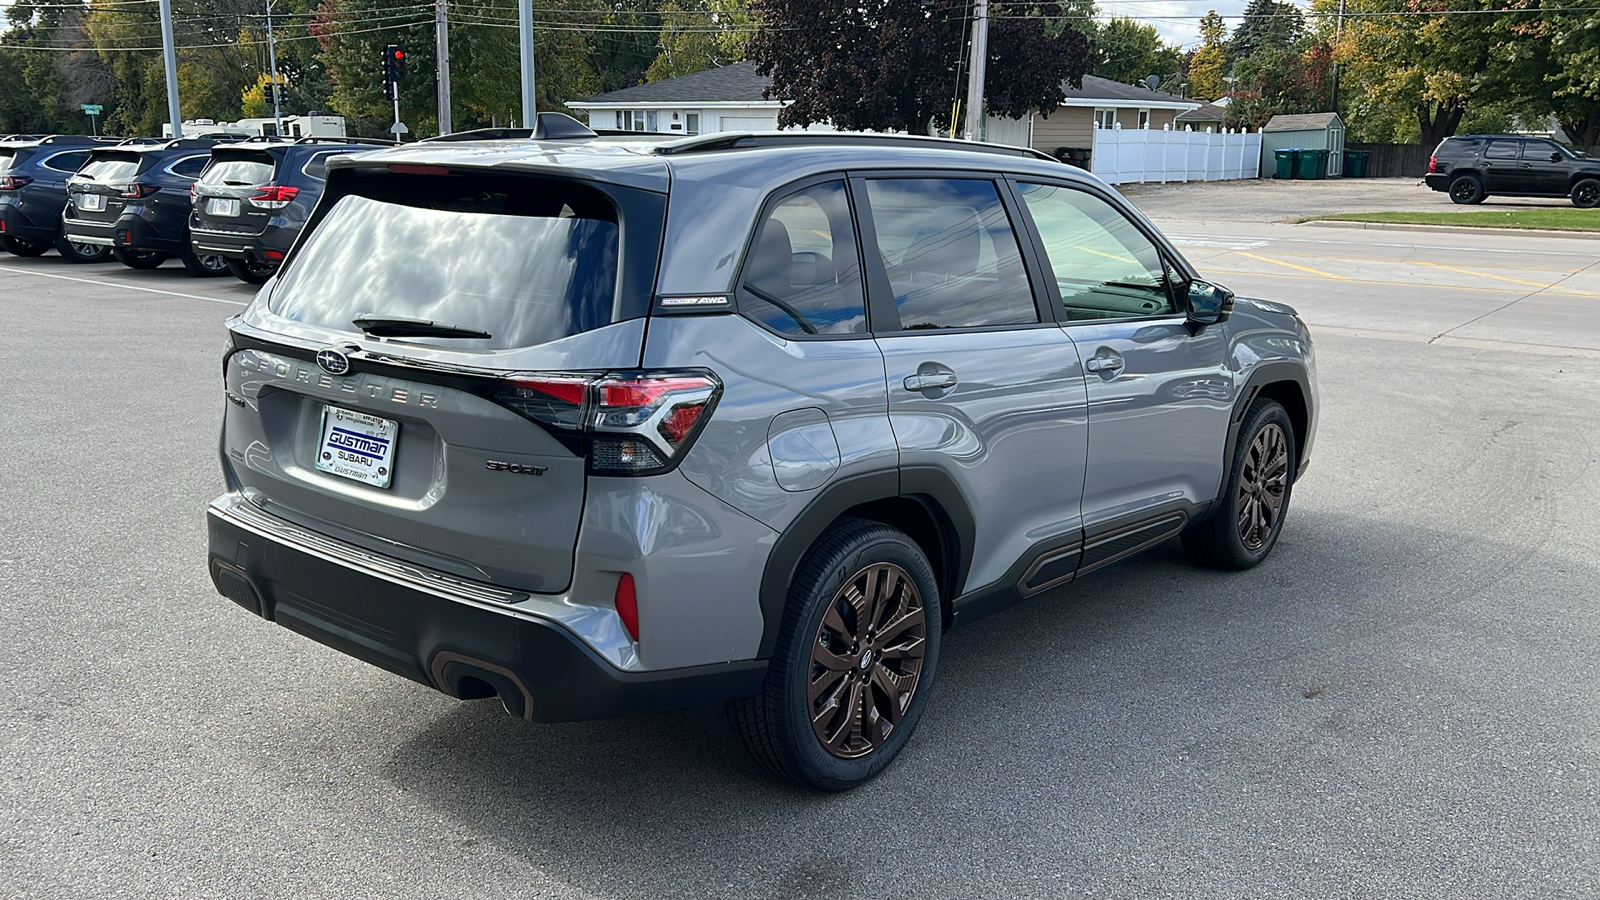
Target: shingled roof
[(1302, 122), (739, 83)]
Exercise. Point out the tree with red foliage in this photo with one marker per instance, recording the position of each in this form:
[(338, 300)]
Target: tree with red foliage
[(884, 65)]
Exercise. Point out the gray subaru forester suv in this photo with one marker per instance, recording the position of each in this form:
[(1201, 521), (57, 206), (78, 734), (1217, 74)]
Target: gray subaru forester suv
[(600, 426)]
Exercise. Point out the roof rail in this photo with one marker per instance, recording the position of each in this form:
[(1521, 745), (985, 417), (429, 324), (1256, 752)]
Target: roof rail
[(551, 126), (741, 140)]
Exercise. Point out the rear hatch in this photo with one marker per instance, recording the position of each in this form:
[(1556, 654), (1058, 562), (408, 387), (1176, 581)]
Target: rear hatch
[(100, 190), (236, 193), (464, 453)]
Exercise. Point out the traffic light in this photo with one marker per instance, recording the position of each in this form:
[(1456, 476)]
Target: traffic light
[(268, 90), (394, 70)]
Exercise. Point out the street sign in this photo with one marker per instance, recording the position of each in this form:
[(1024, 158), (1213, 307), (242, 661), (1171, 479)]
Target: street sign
[(93, 109), (398, 128)]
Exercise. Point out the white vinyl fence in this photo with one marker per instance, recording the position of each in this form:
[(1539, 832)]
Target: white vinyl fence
[(1127, 155)]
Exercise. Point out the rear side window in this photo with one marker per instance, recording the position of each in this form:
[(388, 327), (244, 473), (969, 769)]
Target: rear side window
[(239, 171), (68, 162), (1503, 150), (190, 167), (317, 165), (804, 275), (111, 168), (526, 260), (951, 254)]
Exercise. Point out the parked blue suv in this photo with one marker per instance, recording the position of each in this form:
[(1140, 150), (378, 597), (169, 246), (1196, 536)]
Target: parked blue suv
[(599, 426), (33, 189)]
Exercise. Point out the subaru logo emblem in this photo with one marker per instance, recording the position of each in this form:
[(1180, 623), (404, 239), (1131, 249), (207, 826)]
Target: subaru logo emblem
[(333, 362)]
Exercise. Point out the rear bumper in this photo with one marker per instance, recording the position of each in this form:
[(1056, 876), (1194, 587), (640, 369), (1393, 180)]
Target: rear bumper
[(237, 245), (465, 639), (130, 231), (1437, 181), (15, 222)]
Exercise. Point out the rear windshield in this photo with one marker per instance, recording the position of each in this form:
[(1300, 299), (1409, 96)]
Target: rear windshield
[(526, 262), (121, 167), (239, 171), (10, 156)]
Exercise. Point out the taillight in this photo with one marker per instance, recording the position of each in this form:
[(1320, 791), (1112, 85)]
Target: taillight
[(273, 197), (1433, 164), (135, 191), (627, 423), (627, 604), (14, 182), (194, 192)]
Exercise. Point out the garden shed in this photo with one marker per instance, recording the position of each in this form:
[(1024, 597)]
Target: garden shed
[(1307, 131)]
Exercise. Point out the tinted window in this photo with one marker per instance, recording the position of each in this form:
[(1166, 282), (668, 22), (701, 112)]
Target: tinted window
[(7, 155), (317, 165), (1545, 150), (1502, 150), (1105, 267), (804, 275), (239, 171), (527, 263), (952, 257), (190, 167), (68, 162), (112, 168), (1457, 147)]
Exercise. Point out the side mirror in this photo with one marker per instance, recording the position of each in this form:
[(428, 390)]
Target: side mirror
[(1555, 157), (1208, 303)]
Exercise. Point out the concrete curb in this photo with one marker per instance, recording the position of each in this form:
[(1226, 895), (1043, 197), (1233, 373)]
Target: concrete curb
[(1453, 229)]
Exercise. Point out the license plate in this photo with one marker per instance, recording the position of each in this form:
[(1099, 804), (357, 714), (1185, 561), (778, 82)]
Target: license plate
[(92, 202), (222, 206), (357, 446)]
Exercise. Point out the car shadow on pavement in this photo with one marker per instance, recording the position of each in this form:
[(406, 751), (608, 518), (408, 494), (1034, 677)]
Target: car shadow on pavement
[(1095, 737)]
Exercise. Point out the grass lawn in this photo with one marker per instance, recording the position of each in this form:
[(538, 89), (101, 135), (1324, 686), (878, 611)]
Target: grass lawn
[(1555, 217)]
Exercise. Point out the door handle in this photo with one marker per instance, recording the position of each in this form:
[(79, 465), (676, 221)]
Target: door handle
[(1105, 361), (937, 381)]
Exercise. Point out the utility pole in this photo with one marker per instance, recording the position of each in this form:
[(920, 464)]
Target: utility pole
[(272, 60), (169, 53), (442, 41), (530, 111), (1338, 28), (980, 57)]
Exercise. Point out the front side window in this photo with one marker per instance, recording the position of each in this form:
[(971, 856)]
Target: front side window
[(1545, 150), (526, 260), (1502, 150), (950, 252), (803, 275), (1103, 264)]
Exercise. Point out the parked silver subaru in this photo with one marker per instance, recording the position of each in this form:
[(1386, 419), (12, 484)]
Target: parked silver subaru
[(600, 426)]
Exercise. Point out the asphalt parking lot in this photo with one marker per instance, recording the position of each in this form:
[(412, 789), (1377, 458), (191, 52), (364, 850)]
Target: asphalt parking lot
[(1402, 702)]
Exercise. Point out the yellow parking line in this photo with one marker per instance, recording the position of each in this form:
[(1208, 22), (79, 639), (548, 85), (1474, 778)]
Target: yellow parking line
[(1279, 262), (1537, 284)]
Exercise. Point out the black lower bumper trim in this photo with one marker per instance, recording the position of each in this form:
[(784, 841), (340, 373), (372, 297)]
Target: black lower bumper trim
[(539, 669)]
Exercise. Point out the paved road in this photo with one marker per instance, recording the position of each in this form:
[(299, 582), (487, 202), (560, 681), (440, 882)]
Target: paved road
[(1403, 702)]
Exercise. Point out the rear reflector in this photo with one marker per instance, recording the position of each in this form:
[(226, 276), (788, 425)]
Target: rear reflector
[(627, 603), (272, 254)]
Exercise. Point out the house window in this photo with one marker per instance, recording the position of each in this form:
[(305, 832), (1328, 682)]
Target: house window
[(631, 120), (692, 121), (1144, 118), (649, 122), (1105, 118)]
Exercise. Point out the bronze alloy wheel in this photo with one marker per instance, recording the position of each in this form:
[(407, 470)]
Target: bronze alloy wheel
[(866, 660), (1263, 481)]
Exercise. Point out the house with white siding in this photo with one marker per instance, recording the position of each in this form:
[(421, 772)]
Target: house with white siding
[(729, 98)]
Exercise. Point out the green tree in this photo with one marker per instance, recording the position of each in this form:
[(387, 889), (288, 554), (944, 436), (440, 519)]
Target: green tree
[(1208, 67), (900, 64), (700, 34), (1267, 25), (1129, 51), (1279, 81)]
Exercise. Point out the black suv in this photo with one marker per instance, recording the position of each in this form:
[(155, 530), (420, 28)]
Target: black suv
[(33, 188), (254, 197), (1473, 166), (134, 198)]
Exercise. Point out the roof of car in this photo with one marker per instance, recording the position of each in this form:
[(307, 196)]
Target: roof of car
[(645, 161)]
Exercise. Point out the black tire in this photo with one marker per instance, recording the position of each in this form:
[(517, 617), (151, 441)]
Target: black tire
[(81, 253), (252, 271), (777, 726), (1586, 194), (1466, 190), (26, 247), (139, 259), (204, 265), (1233, 537)]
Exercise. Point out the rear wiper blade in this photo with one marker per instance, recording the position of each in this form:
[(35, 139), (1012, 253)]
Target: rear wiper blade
[(395, 326)]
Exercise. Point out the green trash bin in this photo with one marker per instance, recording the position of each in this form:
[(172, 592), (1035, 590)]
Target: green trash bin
[(1285, 162), (1355, 163), (1311, 164)]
